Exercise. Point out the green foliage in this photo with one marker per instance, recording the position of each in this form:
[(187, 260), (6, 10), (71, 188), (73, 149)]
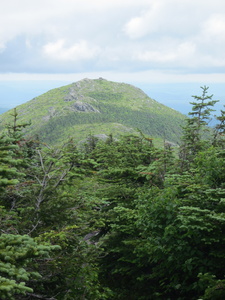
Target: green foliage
[(50, 198), (196, 127), (16, 255), (214, 289), (74, 270), (126, 219), (157, 241), (219, 130), (8, 162)]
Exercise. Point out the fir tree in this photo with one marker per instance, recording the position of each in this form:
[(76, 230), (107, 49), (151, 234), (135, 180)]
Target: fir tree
[(196, 129)]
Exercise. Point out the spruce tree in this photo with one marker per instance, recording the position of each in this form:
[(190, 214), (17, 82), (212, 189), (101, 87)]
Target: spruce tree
[(17, 267), (8, 172), (219, 130), (195, 130)]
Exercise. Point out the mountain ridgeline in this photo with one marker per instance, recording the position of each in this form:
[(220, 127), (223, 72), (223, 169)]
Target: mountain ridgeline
[(96, 106)]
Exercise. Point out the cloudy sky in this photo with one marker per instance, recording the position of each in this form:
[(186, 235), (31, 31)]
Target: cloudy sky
[(146, 42)]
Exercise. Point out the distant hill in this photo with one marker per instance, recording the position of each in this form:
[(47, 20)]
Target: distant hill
[(96, 106)]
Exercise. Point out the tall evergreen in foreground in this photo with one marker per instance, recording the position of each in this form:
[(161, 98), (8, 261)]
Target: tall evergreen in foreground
[(17, 252), (195, 132)]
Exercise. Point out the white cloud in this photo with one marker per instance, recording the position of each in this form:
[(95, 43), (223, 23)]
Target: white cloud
[(214, 26), (156, 57), (136, 28), (76, 52), (147, 22), (173, 17), (28, 44), (173, 53), (2, 47), (49, 35)]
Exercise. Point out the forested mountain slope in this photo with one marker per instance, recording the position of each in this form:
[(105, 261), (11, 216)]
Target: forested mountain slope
[(96, 106)]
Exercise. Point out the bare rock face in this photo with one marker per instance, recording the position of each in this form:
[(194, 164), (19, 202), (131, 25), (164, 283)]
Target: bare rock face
[(77, 101), (72, 96), (83, 107)]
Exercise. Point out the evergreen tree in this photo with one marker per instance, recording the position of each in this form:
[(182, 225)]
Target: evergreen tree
[(8, 172), (218, 139), (195, 131), (17, 267)]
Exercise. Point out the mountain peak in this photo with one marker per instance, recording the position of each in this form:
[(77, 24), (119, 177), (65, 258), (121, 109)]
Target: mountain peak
[(97, 106)]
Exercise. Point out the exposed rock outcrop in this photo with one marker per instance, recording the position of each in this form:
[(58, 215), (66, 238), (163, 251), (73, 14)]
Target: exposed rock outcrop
[(83, 107)]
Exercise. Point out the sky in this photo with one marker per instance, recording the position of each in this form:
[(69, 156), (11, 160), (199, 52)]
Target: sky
[(169, 48)]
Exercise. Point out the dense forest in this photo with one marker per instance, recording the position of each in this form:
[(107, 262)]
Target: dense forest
[(116, 218)]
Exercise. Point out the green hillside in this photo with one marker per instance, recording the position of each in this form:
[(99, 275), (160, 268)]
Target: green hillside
[(96, 106)]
